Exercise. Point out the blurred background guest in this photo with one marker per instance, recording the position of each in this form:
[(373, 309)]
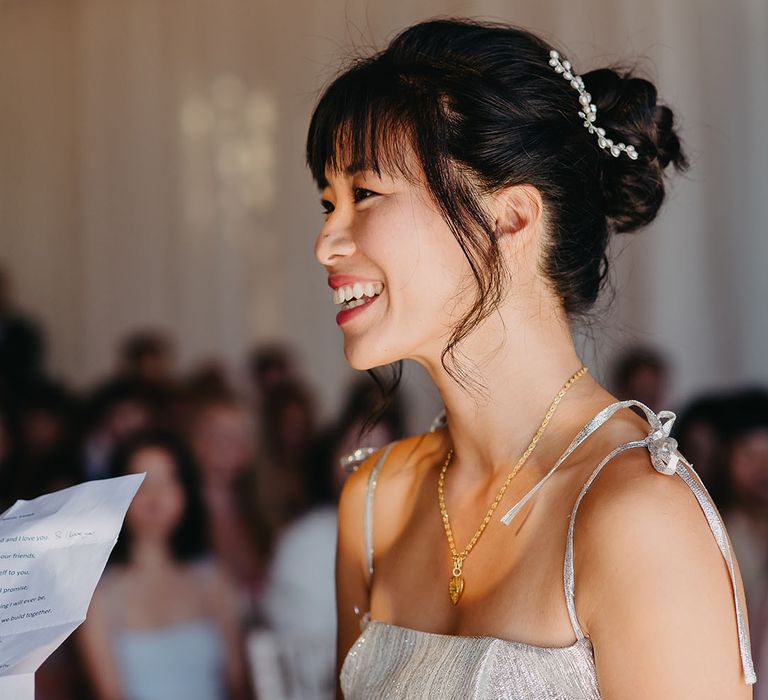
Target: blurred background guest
[(299, 601), (222, 433), (700, 433), (114, 410), (22, 346), (287, 417), (759, 623), (746, 510), (44, 455), (147, 356), (162, 622), (269, 365), (641, 373)]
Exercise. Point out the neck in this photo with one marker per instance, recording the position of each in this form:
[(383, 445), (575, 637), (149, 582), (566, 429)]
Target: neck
[(216, 484), (490, 431), (151, 554)]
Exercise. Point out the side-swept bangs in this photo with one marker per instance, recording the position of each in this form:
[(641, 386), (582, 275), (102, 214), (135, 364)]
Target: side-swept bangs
[(391, 113), (368, 119)]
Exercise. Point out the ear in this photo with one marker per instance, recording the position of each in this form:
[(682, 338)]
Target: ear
[(518, 208)]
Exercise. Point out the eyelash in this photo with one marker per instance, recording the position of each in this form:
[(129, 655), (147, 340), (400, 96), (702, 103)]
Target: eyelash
[(362, 189), (328, 207)]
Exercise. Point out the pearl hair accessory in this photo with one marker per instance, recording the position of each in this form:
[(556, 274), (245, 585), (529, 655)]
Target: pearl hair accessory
[(588, 111)]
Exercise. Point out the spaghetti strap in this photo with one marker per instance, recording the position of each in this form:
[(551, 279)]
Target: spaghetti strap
[(368, 524), (666, 459)]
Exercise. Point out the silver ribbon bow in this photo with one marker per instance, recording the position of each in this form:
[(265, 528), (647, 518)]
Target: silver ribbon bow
[(662, 447)]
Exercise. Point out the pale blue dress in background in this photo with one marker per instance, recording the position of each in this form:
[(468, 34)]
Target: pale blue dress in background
[(183, 661), (179, 661)]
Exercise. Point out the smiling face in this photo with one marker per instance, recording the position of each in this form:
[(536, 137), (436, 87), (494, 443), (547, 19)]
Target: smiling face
[(385, 233)]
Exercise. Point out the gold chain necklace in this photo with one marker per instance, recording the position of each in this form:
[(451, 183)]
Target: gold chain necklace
[(456, 584)]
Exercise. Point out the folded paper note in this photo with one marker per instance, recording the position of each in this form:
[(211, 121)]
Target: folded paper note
[(53, 550)]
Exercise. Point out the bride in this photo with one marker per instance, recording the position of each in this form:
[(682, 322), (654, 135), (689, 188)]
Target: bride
[(470, 182)]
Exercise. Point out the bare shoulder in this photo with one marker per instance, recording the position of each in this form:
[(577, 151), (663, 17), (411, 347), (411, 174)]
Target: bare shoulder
[(406, 462), (649, 572), (409, 461), (352, 577), (351, 512), (355, 488), (406, 457)]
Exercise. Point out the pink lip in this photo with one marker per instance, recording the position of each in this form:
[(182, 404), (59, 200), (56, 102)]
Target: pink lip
[(336, 281), (346, 314)]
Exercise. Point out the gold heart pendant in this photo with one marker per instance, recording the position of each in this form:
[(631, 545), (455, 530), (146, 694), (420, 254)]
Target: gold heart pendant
[(456, 588)]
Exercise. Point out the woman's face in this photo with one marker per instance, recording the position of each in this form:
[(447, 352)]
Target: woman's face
[(158, 506), (223, 442), (386, 231)]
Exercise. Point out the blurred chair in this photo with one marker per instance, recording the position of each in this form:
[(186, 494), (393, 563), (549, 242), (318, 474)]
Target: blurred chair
[(285, 669)]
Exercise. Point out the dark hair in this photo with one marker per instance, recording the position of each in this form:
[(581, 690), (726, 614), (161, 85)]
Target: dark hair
[(482, 109), (50, 395), (633, 359), (138, 345), (711, 411), (270, 356), (120, 389), (747, 412), (360, 404), (280, 397), (188, 540)]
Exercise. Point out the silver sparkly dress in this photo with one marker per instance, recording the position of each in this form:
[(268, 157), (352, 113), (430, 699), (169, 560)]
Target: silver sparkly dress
[(390, 661)]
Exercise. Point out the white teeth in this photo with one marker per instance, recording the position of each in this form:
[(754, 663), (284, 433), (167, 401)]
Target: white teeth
[(355, 292)]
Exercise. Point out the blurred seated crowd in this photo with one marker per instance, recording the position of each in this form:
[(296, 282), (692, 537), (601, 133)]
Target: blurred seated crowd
[(221, 585)]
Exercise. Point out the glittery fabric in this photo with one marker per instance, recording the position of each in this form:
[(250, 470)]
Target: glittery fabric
[(369, 507), (390, 661)]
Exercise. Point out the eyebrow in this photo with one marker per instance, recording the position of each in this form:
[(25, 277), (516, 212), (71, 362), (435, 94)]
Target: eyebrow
[(351, 170)]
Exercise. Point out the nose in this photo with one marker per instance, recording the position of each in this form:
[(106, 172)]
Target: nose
[(333, 242)]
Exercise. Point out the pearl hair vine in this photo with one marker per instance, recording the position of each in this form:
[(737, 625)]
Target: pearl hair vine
[(588, 111)]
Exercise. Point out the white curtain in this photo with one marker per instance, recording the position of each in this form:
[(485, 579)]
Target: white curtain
[(151, 173)]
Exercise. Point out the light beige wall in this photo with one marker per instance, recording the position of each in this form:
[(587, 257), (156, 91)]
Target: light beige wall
[(151, 172)]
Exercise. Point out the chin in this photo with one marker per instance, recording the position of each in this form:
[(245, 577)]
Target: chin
[(359, 359)]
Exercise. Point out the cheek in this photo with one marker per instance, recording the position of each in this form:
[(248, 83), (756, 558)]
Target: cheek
[(139, 513), (423, 263), (156, 511), (175, 506)]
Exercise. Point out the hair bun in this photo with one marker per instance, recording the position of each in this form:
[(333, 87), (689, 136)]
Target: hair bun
[(633, 190)]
